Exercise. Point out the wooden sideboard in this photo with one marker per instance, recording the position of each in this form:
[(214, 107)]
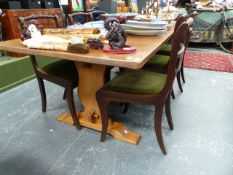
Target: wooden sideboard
[(10, 25)]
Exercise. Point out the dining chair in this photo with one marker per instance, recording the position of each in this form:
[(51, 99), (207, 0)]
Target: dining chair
[(160, 61), (166, 48), (96, 15), (62, 72), (79, 18), (139, 86)]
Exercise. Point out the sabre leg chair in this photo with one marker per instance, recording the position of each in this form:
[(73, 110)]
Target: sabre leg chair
[(79, 18), (96, 15), (159, 62), (62, 72), (139, 86), (166, 48)]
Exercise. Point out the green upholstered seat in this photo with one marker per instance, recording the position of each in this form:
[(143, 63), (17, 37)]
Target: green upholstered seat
[(165, 49), (62, 68), (137, 81), (159, 60)]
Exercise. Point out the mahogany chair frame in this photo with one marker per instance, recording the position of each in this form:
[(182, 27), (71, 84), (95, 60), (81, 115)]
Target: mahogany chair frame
[(162, 69), (43, 75), (22, 20), (192, 15), (96, 14), (86, 16), (158, 100)]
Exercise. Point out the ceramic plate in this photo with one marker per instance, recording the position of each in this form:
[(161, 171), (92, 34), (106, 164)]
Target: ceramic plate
[(140, 23), (142, 27), (144, 32)]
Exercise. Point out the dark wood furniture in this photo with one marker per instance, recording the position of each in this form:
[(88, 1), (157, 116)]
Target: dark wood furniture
[(83, 17), (138, 86), (79, 18), (160, 63), (165, 52), (10, 26), (96, 15), (62, 73)]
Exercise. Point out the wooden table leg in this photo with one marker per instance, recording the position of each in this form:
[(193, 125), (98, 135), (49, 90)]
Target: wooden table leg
[(91, 79)]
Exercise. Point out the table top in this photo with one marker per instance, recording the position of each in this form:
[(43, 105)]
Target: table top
[(146, 47)]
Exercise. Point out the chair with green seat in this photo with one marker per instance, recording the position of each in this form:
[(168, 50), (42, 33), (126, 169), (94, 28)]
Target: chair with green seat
[(160, 61), (139, 86), (79, 18), (166, 48), (62, 72), (96, 15)]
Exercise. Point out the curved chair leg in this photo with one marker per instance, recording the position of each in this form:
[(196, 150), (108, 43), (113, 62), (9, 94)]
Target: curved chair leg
[(179, 82), (64, 94), (104, 115), (42, 93), (158, 128), (182, 72), (168, 112), (173, 94), (70, 101)]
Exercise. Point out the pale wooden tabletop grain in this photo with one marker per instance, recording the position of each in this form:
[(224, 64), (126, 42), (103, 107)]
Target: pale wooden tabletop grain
[(146, 47)]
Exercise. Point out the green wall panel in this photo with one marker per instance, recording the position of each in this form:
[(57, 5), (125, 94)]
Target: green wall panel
[(16, 71)]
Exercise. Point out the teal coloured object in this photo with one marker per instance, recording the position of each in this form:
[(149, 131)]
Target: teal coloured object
[(207, 26), (78, 8)]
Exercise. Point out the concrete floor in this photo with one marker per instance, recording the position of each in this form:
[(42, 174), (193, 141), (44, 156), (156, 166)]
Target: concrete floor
[(33, 143)]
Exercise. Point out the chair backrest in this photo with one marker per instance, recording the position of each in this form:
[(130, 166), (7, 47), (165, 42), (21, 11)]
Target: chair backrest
[(96, 15), (189, 21), (178, 48), (79, 17), (47, 21), (179, 21)]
